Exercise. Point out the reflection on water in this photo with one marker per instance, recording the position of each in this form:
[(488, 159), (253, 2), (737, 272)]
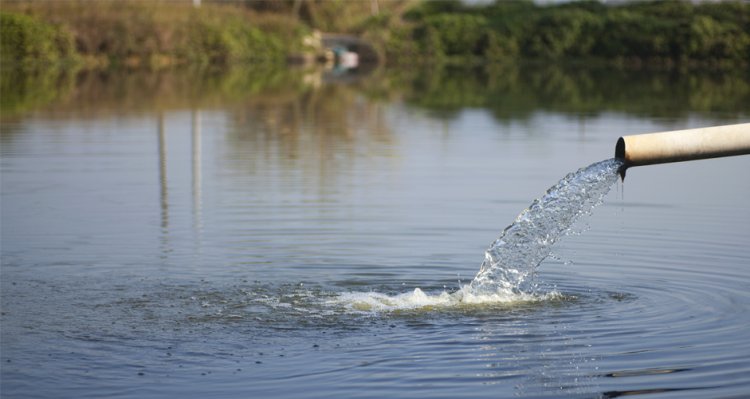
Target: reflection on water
[(25, 90), (512, 91), (195, 161), (516, 91), (195, 127), (322, 133), (163, 187)]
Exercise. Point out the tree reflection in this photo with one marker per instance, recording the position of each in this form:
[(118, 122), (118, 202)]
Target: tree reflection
[(323, 133), (516, 91), (510, 91)]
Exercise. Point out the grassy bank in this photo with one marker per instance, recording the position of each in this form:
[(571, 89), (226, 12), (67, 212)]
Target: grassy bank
[(145, 34), (158, 34), (28, 41)]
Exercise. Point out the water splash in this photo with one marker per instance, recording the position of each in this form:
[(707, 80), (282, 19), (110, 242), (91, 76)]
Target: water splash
[(369, 302), (506, 276), (511, 261)]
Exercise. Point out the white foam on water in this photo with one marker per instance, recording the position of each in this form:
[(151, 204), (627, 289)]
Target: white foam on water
[(417, 299)]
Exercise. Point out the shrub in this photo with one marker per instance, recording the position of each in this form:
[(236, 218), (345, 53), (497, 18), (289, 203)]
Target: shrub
[(634, 35), (498, 47), (566, 32), (711, 39), (27, 41), (459, 34), (228, 40), (161, 33), (664, 32)]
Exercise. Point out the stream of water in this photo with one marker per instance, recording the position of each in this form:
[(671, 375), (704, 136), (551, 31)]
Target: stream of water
[(511, 261), (508, 272)]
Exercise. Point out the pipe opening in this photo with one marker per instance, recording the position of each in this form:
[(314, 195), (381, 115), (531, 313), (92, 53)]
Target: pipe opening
[(620, 154), (620, 148)]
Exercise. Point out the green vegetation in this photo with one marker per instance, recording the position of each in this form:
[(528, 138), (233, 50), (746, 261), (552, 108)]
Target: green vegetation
[(479, 56), (31, 42), (664, 32), (156, 34), (145, 34), (517, 91), (45, 44), (30, 88), (510, 92), (89, 93)]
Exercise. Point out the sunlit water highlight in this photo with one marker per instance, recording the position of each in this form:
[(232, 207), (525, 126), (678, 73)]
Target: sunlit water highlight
[(507, 274)]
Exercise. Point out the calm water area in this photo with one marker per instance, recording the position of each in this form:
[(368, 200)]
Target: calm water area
[(303, 234)]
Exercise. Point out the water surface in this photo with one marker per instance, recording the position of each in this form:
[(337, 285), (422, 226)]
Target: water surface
[(287, 234)]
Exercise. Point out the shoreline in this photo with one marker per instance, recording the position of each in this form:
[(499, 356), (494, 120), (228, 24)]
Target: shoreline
[(154, 36)]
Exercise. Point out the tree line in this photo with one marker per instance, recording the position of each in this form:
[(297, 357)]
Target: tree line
[(165, 34), (631, 32)]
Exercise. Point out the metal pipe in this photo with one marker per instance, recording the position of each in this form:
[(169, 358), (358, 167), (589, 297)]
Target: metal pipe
[(682, 145)]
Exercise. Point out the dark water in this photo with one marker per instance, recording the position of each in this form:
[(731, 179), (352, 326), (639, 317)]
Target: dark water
[(289, 234)]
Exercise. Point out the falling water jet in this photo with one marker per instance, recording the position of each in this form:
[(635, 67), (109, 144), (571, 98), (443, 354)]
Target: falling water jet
[(506, 275), (511, 261)]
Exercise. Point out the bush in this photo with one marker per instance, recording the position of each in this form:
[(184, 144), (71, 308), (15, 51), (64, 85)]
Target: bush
[(427, 8), (665, 32), (564, 32), (27, 41), (156, 34), (711, 39), (227, 40), (400, 43), (459, 34), (497, 47)]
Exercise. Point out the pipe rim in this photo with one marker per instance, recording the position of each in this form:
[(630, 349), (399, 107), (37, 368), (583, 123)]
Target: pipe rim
[(620, 149)]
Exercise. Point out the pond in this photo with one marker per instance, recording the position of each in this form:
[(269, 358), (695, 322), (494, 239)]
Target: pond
[(288, 233)]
